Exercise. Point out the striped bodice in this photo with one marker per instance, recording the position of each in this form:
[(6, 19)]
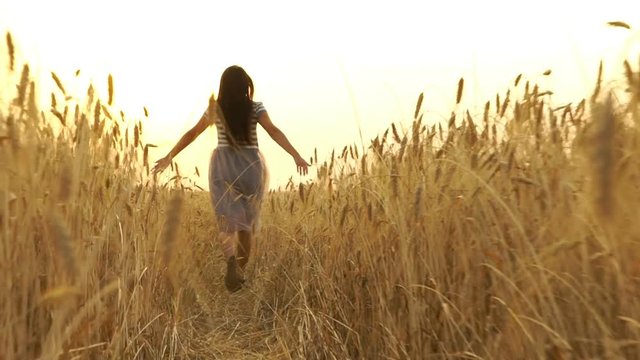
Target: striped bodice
[(258, 109)]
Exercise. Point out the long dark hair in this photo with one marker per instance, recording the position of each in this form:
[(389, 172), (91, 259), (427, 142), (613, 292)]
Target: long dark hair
[(235, 98)]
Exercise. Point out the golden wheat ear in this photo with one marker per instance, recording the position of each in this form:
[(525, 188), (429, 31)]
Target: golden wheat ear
[(12, 51), (212, 109)]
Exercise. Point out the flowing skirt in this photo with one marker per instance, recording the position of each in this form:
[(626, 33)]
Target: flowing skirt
[(237, 182)]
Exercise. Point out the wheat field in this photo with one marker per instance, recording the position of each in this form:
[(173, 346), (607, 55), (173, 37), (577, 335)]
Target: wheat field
[(509, 234)]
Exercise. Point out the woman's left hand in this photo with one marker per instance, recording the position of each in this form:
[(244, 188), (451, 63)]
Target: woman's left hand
[(162, 164)]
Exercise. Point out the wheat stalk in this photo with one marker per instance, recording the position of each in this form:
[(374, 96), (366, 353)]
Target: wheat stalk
[(171, 224), (11, 49), (460, 89), (58, 83), (110, 90)]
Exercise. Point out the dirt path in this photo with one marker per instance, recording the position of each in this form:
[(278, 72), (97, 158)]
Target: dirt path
[(227, 326)]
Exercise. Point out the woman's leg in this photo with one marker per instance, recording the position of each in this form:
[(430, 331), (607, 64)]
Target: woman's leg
[(232, 279), (227, 244), (244, 248)]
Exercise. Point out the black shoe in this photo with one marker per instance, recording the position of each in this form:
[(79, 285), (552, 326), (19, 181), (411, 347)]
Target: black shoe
[(232, 280)]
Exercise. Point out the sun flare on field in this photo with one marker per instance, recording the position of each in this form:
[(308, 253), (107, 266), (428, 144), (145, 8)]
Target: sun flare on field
[(327, 72)]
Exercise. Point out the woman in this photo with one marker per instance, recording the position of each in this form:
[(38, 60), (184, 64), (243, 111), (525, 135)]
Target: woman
[(236, 170)]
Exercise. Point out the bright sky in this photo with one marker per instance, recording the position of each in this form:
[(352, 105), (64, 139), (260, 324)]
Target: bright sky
[(321, 68)]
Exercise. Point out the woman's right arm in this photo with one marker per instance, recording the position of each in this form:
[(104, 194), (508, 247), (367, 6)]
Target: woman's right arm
[(185, 140), (279, 137)]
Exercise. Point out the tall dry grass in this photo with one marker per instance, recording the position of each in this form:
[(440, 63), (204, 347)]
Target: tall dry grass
[(92, 251), (509, 234)]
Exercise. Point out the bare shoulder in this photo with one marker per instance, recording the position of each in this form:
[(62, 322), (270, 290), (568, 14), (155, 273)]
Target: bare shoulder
[(207, 119)]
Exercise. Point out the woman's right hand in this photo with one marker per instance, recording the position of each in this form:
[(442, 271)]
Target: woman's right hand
[(301, 165), (162, 164)]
